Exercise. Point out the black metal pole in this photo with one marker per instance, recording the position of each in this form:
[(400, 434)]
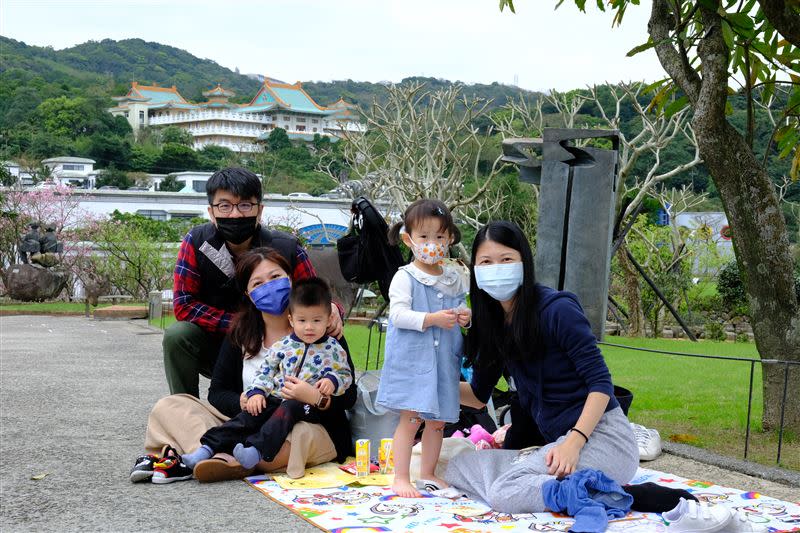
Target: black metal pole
[(622, 234), (613, 310), (783, 409), (619, 307), (661, 296), (749, 408)]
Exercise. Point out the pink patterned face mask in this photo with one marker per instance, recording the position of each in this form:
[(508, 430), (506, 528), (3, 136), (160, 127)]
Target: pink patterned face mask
[(430, 252)]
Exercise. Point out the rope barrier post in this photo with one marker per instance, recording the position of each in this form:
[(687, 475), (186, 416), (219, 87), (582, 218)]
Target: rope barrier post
[(749, 408), (369, 343), (783, 409)]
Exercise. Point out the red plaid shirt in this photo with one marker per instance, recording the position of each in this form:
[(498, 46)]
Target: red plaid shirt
[(187, 286)]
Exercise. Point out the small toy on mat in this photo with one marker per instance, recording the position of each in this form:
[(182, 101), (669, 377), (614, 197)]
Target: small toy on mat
[(482, 439), (350, 468)]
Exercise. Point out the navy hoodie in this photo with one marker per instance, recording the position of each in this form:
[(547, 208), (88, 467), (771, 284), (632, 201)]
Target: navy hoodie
[(554, 381)]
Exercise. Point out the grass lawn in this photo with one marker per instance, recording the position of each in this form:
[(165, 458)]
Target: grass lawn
[(701, 402), (47, 307)]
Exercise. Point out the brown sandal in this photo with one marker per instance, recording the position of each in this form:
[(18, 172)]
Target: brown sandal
[(220, 468)]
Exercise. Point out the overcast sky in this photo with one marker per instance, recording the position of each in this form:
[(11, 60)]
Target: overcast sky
[(365, 40)]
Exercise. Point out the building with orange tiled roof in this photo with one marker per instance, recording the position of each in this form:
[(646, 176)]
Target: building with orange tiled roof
[(239, 127)]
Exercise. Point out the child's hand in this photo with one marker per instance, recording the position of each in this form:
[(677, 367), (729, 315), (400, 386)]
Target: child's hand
[(243, 401), (464, 316), (325, 386), (256, 403), (445, 319)]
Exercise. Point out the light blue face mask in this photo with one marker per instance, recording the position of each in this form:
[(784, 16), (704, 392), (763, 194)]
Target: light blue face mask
[(499, 281)]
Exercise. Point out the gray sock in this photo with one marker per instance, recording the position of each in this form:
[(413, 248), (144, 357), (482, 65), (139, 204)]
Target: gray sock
[(248, 456), (200, 454)]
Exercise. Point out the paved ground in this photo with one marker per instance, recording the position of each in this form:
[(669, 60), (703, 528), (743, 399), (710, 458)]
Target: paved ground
[(74, 398)]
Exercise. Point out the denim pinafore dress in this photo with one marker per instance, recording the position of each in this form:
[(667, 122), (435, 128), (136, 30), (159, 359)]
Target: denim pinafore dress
[(422, 369)]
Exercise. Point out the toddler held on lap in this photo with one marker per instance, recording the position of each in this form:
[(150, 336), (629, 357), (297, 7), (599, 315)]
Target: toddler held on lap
[(307, 354)]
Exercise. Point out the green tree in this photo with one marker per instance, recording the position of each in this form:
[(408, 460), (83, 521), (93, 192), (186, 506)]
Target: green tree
[(278, 140), (214, 157), (63, 116), (134, 262), (143, 157), (107, 149), (6, 178), (114, 177), (176, 158), (171, 184), (176, 135), (702, 45)]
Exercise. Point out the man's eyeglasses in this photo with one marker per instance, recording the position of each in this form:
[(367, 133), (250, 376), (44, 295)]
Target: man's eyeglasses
[(226, 208)]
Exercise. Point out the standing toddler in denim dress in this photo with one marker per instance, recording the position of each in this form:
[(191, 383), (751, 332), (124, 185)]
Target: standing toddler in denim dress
[(424, 342)]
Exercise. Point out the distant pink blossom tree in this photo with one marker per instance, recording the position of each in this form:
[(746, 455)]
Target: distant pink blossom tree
[(55, 206)]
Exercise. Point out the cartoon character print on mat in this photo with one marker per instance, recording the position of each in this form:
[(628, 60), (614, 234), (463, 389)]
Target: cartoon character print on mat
[(711, 497), (555, 525), (345, 497), (308, 512), (391, 497), (390, 509), (698, 484), (487, 518), (773, 509), (651, 523), (359, 529)]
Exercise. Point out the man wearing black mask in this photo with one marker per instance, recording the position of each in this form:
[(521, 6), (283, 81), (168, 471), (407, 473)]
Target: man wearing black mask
[(205, 295)]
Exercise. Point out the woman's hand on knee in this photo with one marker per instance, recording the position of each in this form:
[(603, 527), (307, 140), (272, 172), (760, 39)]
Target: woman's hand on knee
[(562, 459)]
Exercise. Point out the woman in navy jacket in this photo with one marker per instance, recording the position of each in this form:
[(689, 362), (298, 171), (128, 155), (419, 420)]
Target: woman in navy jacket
[(542, 339)]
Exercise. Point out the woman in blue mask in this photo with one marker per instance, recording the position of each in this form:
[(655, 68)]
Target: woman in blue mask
[(541, 338), (181, 420)]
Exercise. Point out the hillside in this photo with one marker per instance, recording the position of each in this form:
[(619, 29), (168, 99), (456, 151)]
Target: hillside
[(108, 66), (119, 62)]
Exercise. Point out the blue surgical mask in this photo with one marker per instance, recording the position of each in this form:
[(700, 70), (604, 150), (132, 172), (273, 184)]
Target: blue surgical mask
[(272, 297), (501, 282)]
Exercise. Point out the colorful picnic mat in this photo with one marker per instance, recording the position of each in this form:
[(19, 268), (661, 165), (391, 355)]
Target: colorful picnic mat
[(331, 500)]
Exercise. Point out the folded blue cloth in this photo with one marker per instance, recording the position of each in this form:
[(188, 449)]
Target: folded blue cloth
[(589, 496)]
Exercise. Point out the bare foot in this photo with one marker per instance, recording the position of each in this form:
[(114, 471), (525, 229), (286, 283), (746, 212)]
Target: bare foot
[(404, 489), (442, 484)]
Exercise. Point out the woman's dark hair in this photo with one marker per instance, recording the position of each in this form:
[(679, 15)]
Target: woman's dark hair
[(419, 211), (491, 339), (247, 330), (238, 181)]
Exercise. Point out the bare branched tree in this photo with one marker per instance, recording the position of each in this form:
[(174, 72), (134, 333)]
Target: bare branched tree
[(421, 144), (658, 131)]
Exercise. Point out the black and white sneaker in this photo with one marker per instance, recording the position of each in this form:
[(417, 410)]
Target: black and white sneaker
[(143, 468), (170, 469)]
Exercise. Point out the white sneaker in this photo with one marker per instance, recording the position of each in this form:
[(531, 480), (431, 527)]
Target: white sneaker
[(740, 524), (696, 517), (648, 440)]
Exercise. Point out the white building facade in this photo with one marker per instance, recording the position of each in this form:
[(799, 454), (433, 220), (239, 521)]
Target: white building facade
[(239, 127), (74, 171), (319, 220)]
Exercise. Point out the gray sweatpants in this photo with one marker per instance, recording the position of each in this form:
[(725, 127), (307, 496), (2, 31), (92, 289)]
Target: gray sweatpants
[(511, 482)]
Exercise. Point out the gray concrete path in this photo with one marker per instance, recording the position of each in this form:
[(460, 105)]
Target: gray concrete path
[(74, 399)]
